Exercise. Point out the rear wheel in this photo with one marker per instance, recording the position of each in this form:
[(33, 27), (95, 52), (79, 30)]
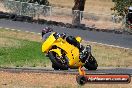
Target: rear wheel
[(58, 62), (91, 63)]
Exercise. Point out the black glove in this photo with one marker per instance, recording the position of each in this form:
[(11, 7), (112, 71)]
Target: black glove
[(56, 35)]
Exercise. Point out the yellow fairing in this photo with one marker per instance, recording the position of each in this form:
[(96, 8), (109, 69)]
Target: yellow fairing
[(58, 51), (71, 52), (48, 43)]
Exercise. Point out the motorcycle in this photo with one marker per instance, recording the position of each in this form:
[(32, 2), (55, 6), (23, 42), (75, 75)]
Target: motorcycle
[(128, 22), (64, 55)]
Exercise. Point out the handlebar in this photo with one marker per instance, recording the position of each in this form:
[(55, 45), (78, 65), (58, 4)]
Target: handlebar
[(58, 35)]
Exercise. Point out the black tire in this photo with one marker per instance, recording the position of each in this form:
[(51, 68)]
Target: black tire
[(91, 64), (56, 63), (55, 67), (20, 18), (81, 80), (4, 15), (13, 17)]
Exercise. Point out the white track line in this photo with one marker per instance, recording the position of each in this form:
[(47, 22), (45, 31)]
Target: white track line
[(13, 29), (1, 27), (7, 28), (88, 41), (27, 31), (39, 33), (18, 30), (33, 32), (109, 45)]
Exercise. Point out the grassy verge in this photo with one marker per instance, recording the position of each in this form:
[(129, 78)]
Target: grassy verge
[(24, 49), (17, 51), (111, 56)]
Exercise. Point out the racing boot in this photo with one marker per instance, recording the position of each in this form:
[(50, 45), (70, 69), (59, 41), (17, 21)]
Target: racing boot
[(84, 52), (81, 53)]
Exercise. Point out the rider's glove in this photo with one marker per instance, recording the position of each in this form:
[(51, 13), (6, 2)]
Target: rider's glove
[(57, 35), (63, 35)]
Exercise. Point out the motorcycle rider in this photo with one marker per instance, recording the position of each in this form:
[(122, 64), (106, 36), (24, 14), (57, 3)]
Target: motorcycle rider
[(129, 16), (46, 32)]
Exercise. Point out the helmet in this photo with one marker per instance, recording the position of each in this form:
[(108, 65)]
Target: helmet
[(130, 9), (46, 30)]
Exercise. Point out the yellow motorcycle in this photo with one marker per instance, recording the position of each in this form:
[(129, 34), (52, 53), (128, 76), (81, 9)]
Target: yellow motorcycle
[(64, 55)]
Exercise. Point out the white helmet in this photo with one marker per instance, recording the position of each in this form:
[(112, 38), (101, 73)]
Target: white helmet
[(130, 9)]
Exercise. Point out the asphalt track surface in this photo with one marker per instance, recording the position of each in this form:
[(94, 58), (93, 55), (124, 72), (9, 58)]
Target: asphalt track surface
[(121, 40), (70, 71)]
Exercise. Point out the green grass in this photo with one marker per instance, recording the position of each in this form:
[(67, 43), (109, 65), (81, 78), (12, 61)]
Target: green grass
[(21, 49), (26, 53), (107, 56)]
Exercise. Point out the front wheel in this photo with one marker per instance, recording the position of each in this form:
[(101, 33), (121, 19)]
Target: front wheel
[(91, 63), (55, 67), (58, 62)]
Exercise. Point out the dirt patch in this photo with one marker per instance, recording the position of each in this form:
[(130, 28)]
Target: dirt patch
[(20, 35), (6, 42), (46, 80), (97, 13), (92, 6), (88, 22), (2, 8)]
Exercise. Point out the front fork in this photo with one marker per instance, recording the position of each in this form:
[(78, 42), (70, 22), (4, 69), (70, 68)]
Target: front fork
[(81, 71), (81, 78)]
